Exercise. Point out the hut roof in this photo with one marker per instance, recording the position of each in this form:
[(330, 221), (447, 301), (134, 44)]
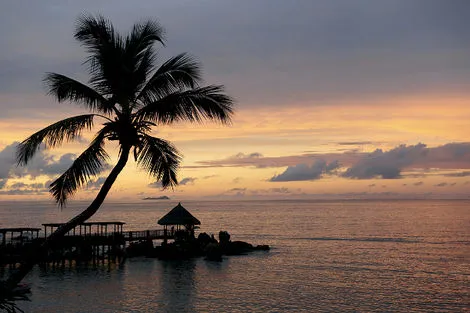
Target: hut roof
[(179, 216)]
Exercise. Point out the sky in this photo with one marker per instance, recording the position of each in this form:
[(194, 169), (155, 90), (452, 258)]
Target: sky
[(334, 99)]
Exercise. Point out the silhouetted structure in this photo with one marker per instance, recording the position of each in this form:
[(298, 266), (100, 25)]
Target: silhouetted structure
[(178, 216), (14, 242), (96, 228), (18, 235), (89, 241), (107, 241), (127, 89)]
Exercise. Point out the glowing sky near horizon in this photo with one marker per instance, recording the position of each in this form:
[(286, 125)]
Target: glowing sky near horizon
[(334, 99)]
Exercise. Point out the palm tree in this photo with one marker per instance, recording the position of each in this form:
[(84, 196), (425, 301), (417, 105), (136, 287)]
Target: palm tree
[(130, 96)]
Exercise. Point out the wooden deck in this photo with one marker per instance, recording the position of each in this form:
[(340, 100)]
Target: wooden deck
[(109, 230), (125, 236), (95, 241), (92, 244)]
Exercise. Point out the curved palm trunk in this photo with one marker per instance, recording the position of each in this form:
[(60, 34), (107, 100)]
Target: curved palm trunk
[(33, 258)]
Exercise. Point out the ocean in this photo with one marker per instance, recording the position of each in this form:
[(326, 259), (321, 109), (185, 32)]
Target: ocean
[(326, 256)]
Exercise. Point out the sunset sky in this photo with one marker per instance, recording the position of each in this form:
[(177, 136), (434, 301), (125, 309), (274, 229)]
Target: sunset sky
[(334, 98)]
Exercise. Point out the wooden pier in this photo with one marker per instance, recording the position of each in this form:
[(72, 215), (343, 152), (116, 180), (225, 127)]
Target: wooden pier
[(89, 241)]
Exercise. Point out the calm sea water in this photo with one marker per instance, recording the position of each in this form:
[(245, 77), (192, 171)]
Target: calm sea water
[(362, 256)]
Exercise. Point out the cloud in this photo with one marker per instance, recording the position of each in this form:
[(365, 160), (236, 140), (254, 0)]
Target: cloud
[(54, 167), (254, 155), (461, 174), (319, 50), (7, 160), (209, 176), (355, 143), (302, 172), (21, 188), (332, 166), (376, 171), (21, 192), (95, 184), (391, 164), (48, 183), (242, 160), (420, 183), (82, 140), (238, 192), (156, 184), (245, 192), (21, 185), (280, 190), (362, 165), (187, 180), (441, 185), (237, 180), (42, 164), (236, 189), (18, 185), (386, 165)]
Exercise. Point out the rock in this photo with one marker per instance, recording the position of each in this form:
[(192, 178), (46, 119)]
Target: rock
[(236, 247), (140, 248), (213, 252), (262, 247), (224, 237)]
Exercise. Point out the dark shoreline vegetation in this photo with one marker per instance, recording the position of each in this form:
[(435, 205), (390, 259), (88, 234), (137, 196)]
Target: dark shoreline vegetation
[(130, 96)]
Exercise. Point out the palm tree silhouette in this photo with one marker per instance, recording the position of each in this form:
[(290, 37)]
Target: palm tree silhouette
[(131, 96)]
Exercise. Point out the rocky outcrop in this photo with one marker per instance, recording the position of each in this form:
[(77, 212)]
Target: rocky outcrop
[(186, 247)]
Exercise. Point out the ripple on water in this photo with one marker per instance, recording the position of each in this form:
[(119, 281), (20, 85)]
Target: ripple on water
[(399, 256)]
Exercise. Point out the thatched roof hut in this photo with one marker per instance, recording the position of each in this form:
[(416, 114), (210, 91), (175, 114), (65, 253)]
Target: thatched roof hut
[(179, 216)]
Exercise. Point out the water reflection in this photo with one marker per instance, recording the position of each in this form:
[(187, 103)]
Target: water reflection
[(178, 285), (327, 256)]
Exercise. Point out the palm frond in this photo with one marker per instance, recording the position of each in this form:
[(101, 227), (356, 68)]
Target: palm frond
[(65, 88), (94, 32), (192, 105), (118, 66), (143, 36), (159, 158), (176, 74), (105, 46), (89, 163), (53, 135), (142, 71), (139, 48), (138, 56)]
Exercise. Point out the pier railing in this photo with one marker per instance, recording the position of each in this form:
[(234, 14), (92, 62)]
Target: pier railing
[(153, 234), (78, 243), (130, 235), (147, 234)]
